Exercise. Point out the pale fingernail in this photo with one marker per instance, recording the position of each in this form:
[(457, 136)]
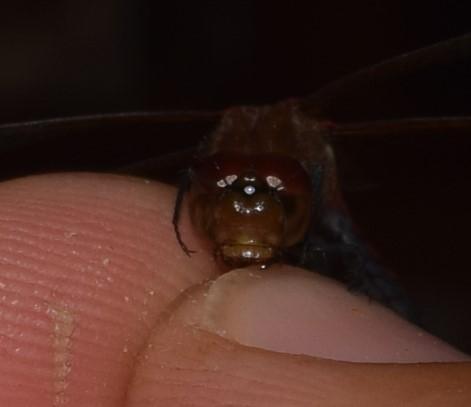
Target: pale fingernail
[(288, 310)]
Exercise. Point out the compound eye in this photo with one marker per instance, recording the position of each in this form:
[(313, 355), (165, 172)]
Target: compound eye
[(274, 182), (219, 170), (284, 174), (292, 184), (226, 181)]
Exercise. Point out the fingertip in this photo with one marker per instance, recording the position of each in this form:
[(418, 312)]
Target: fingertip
[(203, 351), (88, 261), (295, 311), (291, 310)]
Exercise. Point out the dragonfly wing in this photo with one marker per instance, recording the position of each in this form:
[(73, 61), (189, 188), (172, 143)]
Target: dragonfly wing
[(101, 142), (426, 126), (424, 82)]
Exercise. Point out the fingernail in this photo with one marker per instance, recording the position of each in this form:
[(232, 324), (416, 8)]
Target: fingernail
[(276, 309), (289, 310)]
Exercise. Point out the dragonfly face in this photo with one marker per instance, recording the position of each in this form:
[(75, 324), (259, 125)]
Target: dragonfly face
[(252, 191), (252, 206)]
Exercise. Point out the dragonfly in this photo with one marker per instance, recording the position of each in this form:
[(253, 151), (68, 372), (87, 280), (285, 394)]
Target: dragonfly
[(263, 182)]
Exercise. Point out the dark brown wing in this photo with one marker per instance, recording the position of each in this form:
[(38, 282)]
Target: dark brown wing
[(426, 126), (430, 81), (401, 136), (102, 142), (414, 208)]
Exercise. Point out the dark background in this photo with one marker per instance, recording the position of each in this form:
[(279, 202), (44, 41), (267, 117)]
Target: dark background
[(63, 58), (67, 57)]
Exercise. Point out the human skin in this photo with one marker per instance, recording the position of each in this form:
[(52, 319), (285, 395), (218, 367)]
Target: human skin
[(100, 307)]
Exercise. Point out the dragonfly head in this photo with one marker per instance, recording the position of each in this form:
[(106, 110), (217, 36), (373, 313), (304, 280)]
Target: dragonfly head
[(251, 207)]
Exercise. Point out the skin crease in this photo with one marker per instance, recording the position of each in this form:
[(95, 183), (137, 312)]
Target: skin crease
[(100, 307)]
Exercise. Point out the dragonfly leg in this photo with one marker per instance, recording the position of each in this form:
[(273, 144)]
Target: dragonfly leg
[(183, 188), (335, 250)]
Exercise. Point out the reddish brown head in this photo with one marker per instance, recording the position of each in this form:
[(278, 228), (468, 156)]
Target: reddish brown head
[(250, 206)]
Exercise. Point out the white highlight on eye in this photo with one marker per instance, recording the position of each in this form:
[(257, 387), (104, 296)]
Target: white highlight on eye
[(228, 180), (274, 182), (249, 189)]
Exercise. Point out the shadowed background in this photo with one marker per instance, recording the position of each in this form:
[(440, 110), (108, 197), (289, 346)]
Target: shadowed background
[(62, 58)]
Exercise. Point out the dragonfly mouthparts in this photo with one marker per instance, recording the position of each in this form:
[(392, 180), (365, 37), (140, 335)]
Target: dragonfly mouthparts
[(241, 255)]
